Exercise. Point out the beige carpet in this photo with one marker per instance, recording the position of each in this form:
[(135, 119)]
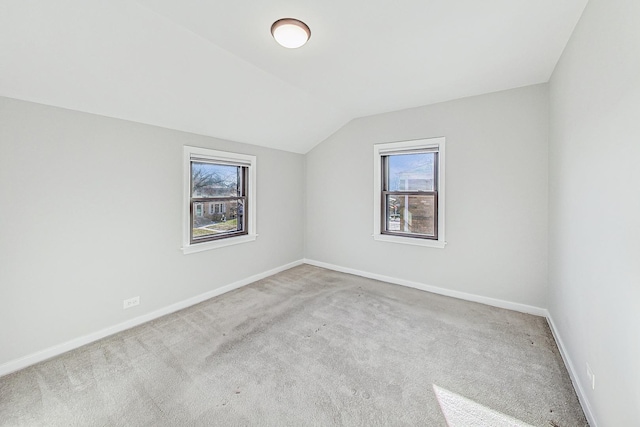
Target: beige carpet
[(306, 347)]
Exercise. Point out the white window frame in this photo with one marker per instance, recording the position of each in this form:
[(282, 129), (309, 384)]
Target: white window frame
[(380, 150), (223, 157)]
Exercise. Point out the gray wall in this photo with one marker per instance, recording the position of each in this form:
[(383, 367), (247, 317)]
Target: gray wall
[(595, 206), (496, 196), (90, 214)]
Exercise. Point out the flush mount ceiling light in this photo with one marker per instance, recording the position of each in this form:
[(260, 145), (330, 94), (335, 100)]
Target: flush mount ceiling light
[(290, 33)]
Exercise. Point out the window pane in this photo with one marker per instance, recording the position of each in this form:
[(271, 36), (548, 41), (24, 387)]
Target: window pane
[(227, 217), (209, 180), (411, 214), (411, 172)]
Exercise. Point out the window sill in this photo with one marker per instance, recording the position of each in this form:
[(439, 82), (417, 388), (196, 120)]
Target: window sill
[(410, 241), (206, 246)]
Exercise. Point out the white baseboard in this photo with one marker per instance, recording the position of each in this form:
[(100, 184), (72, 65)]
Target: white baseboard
[(523, 308), (573, 373), (23, 362)]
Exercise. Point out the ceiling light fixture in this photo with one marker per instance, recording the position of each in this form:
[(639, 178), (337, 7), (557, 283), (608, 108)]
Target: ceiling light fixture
[(290, 33)]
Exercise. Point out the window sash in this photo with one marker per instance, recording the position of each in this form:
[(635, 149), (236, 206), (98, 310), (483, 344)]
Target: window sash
[(385, 168), (401, 151), (384, 214), (220, 161), (223, 235)]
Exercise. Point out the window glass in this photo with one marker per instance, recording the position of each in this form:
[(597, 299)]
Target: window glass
[(218, 223), (411, 214), (411, 172), (213, 180)]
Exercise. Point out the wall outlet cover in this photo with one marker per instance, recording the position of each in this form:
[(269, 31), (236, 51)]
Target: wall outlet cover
[(131, 302)]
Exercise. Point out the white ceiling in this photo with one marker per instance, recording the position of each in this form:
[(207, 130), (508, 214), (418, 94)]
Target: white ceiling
[(211, 67)]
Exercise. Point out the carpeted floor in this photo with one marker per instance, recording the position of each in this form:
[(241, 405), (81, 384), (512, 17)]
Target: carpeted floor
[(306, 347)]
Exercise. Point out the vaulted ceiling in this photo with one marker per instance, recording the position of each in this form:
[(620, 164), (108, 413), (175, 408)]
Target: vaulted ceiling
[(212, 67)]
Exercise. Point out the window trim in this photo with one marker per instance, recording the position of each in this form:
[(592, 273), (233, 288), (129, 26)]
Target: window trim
[(224, 157), (408, 147)]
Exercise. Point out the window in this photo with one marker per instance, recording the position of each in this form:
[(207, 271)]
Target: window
[(219, 199), (409, 192)]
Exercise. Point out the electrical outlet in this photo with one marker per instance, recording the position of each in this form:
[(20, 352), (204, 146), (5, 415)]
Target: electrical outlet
[(131, 302), (592, 377)]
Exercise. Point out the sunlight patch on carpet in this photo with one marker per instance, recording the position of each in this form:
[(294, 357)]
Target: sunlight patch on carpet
[(462, 412)]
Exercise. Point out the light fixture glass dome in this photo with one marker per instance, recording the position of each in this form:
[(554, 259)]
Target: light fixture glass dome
[(290, 33)]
